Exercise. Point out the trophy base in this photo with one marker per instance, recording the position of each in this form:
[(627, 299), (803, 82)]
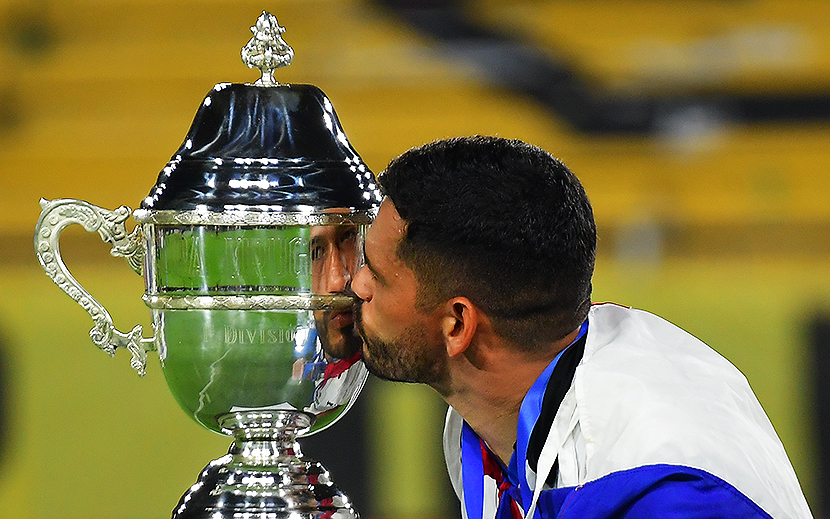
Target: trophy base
[(264, 475)]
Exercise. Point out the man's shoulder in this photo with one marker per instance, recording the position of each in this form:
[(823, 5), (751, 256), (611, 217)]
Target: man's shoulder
[(634, 343), (648, 393)]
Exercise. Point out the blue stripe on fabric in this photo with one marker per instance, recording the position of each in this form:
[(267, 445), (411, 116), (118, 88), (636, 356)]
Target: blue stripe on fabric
[(472, 472), (528, 415), (664, 491), (472, 464)]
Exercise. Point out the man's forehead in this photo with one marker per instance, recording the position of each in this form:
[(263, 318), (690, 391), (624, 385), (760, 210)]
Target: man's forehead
[(388, 225)]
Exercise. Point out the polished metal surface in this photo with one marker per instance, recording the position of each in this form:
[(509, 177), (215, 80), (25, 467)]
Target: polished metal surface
[(266, 49), (270, 330), (252, 217), (264, 475), (55, 216), (331, 302), (246, 244), (277, 149)]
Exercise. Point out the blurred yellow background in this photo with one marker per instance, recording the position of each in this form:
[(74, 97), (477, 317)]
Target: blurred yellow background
[(720, 225)]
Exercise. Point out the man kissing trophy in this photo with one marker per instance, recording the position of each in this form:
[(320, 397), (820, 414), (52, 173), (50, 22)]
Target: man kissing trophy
[(246, 243)]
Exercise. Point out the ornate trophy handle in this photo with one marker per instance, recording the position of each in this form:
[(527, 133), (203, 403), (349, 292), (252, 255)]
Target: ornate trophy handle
[(55, 216)]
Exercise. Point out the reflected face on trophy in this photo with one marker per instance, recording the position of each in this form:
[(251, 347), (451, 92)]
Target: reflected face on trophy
[(334, 260)]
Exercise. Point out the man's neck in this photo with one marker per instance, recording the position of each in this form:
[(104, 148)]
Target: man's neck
[(493, 410), (489, 385)]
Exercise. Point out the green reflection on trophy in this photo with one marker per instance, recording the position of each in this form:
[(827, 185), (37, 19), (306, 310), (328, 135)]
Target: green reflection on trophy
[(246, 243)]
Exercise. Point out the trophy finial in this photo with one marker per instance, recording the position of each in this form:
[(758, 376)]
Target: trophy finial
[(266, 50)]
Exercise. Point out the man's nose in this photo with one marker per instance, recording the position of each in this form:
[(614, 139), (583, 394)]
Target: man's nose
[(338, 275), (360, 286)]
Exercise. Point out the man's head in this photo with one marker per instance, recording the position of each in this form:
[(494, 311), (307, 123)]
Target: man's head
[(498, 222)]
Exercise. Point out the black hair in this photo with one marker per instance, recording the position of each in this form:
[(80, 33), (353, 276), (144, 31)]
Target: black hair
[(500, 222)]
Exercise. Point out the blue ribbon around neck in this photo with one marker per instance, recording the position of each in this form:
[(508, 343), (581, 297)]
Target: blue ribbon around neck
[(472, 463)]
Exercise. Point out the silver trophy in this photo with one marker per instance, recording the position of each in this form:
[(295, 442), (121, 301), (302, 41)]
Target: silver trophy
[(246, 244)]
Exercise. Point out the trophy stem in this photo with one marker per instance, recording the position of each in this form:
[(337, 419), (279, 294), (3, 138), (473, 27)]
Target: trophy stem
[(264, 473)]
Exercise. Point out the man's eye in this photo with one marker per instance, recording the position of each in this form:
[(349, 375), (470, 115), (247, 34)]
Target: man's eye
[(348, 236), (317, 252), (373, 274)]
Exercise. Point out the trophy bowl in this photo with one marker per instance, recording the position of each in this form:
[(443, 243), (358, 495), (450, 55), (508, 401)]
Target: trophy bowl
[(247, 243)]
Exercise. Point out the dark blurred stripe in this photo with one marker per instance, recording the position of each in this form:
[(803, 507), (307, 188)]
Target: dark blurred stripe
[(819, 336), (511, 62)]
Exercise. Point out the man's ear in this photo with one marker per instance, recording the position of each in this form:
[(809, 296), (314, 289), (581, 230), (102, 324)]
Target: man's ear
[(458, 325)]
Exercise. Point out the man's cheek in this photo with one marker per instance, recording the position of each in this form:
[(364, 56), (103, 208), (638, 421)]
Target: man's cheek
[(373, 325)]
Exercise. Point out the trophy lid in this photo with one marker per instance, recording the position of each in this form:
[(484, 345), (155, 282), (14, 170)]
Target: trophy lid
[(264, 147)]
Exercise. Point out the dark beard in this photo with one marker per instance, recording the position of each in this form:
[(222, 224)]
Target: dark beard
[(402, 361)]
